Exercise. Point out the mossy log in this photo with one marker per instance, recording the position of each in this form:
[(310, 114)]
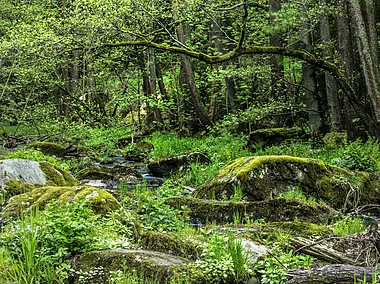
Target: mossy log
[(335, 273), (226, 212)]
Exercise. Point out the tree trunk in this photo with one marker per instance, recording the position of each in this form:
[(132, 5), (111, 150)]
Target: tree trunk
[(335, 273), (310, 81), (334, 106), (153, 85), (362, 18), (276, 61), (189, 76)]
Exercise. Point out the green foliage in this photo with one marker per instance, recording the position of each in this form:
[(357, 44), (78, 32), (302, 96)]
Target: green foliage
[(130, 277), (48, 239), (152, 211), (360, 156), (273, 267), (348, 225), (222, 260)]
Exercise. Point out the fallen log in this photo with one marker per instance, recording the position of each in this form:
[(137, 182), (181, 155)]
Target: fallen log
[(333, 274), (317, 250)]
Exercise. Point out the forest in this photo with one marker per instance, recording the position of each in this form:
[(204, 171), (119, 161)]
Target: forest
[(185, 141)]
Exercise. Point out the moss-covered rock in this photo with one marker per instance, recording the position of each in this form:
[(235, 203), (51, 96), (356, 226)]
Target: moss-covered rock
[(265, 177), (49, 148), (334, 140), (18, 176), (273, 136), (225, 212), (96, 266), (56, 176), (170, 244), (165, 167), (101, 200), (104, 173)]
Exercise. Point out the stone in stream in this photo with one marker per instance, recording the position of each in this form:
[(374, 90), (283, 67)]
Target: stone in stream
[(168, 166)]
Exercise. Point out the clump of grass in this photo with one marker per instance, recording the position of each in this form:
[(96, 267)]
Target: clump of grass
[(348, 225), (296, 193)]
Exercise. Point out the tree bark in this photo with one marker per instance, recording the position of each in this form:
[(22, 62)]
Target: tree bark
[(189, 76), (276, 61), (310, 80), (334, 106), (335, 273), (153, 85), (367, 45)]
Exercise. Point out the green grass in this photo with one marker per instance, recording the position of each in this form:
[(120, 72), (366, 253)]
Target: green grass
[(297, 193), (348, 225)]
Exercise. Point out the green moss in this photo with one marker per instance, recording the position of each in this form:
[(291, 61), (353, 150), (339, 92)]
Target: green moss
[(334, 140), (49, 148), (154, 265), (15, 187), (170, 244), (101, 200), (56, 176), (266, 177)]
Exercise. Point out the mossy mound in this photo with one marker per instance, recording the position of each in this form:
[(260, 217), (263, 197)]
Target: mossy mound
[(170, 244), (101, 200), (272, 136), (56, 176), (18, 176), (334, 140), (49, 148), (97, 265), (204, 211), (266, 177)]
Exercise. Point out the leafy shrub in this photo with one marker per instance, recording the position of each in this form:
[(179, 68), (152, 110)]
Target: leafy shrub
[(360, 156), (273, 269), (223, 260)]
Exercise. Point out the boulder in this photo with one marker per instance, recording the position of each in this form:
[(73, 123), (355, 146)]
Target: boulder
[(165, 167), (266, 177), (95, 267), (101, 201), (17, 176), (334, 140), (272, 136), (202, 211)]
